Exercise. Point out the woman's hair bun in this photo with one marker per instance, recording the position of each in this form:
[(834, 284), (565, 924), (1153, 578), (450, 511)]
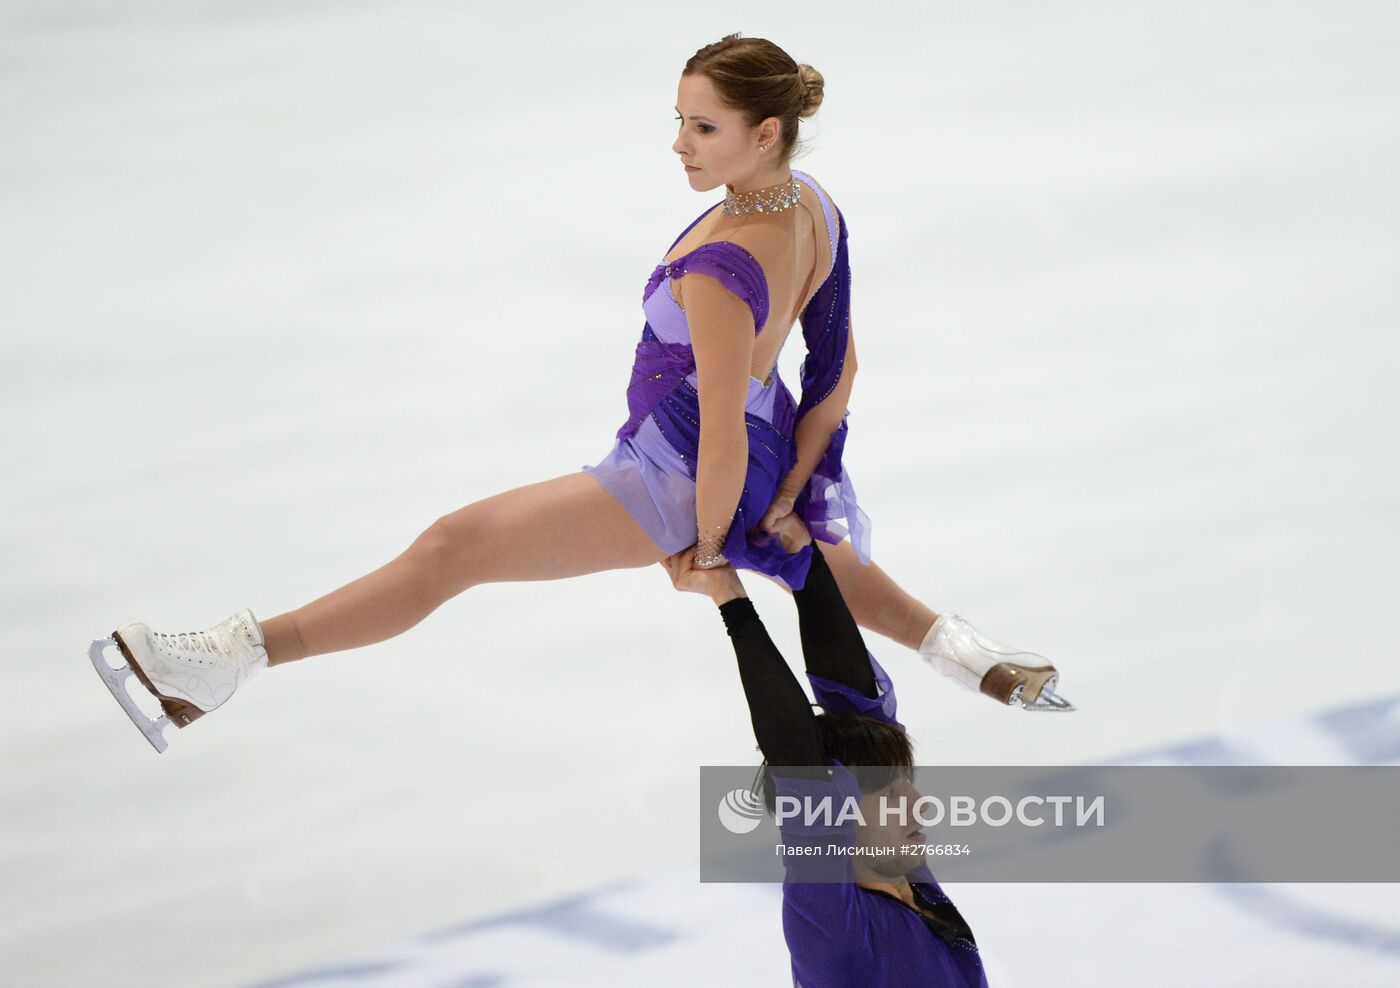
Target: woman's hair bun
[(814, 85)]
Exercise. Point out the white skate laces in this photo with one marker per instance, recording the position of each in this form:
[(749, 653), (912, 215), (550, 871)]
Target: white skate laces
[(1010, 676), (189, 672)]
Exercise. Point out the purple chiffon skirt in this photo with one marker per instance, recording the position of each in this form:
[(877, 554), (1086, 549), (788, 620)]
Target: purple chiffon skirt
[(652, 481)]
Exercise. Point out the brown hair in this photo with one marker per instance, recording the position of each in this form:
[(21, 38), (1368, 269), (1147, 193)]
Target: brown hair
[(760, 80), (875, 751)]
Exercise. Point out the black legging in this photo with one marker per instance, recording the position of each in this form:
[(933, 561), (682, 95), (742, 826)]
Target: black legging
[(783, 721)]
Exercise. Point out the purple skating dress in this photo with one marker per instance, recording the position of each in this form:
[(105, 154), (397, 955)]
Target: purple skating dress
[(651, 467)]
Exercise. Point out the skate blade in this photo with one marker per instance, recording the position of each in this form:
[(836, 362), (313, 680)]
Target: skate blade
[(1048, 701), (116, 682), (1045, 698)]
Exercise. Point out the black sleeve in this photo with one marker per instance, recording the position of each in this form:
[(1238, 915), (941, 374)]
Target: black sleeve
[(783, 721), (831, 640)]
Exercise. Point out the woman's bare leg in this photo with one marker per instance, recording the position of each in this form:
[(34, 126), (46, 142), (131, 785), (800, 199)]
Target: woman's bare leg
[(558, 528), (876, 601)]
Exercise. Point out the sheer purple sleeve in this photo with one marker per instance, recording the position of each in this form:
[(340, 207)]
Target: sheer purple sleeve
[(828, 503)]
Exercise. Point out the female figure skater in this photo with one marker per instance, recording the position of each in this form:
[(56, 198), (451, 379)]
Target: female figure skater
[(714, 449), (881, 919)]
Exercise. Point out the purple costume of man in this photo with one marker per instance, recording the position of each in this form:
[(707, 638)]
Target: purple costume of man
[(840, 933)]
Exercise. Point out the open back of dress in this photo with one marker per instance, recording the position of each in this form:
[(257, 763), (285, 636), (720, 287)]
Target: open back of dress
[(795, 248)]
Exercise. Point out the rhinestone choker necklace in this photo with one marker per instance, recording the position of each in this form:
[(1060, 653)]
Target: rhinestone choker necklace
[(784, 195)]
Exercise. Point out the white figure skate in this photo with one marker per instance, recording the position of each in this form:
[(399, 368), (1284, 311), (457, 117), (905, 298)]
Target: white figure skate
[(1007, 675), (190, 673)]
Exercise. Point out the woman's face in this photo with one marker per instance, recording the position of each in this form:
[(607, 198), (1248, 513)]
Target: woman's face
[(715, 139)]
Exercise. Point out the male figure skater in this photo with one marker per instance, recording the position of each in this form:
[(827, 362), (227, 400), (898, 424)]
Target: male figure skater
[(881, 919)]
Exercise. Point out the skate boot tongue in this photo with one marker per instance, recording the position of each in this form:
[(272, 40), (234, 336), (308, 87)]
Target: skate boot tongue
[(237, 640)]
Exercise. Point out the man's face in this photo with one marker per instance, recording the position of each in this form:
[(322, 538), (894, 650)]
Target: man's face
[(894, 804)]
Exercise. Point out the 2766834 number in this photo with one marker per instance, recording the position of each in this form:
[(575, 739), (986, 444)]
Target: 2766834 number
[(955, 850)]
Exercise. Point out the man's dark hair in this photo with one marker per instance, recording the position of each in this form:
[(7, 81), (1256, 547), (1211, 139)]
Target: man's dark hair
[(875, 751)]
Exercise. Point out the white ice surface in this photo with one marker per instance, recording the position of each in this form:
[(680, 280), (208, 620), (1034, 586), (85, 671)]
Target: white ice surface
[(281, 284)]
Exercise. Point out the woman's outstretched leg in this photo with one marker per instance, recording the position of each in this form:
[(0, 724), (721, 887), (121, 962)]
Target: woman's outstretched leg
[(558, 528)]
